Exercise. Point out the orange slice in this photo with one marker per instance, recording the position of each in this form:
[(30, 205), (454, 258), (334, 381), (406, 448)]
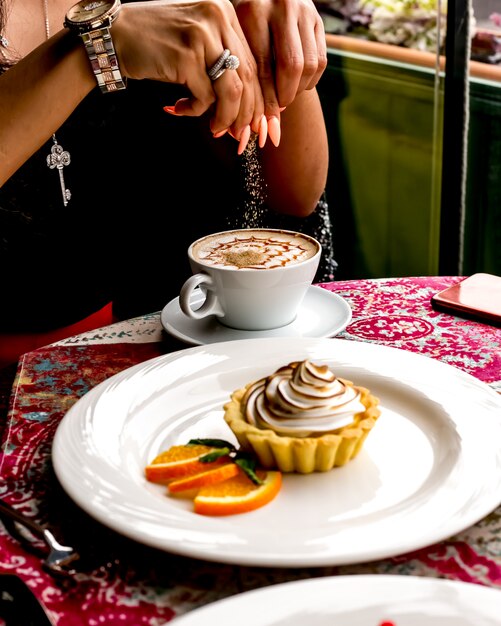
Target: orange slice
[(209, 477), (238, 494), (181, 461)]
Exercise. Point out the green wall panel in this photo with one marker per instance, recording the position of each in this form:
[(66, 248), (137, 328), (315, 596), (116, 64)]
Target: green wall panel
[(482, 231), (384, 166)]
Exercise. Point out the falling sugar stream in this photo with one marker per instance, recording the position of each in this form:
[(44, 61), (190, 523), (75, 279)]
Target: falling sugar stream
[(252, 214)]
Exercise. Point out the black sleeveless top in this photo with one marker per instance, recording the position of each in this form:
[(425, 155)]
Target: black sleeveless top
[(142, 188)]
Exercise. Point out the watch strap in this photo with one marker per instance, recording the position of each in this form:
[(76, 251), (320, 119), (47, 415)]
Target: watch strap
[(103, 59)]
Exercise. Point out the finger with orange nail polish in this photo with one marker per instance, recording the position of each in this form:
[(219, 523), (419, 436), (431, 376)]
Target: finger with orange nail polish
[(263, 131), (171, 110), (274, 130), (244, 139)]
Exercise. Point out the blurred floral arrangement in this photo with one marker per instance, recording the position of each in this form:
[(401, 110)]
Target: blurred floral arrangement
[(486, 44), (418, 24)]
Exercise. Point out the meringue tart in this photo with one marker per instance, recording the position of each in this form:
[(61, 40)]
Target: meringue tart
[(302, 418)]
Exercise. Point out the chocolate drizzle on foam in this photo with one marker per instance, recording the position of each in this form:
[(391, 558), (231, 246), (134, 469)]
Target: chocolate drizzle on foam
[(301, 400), (254, 251)]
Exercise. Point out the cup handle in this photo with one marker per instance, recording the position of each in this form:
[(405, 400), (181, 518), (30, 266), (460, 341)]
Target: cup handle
[(210, 305)]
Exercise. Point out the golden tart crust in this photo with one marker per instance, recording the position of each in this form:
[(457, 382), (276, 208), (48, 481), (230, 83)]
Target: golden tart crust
[(306, 454)]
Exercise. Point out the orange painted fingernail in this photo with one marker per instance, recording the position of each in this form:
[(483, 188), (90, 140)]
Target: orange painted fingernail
[(220, 133), (282, 109), (244, 139), (263, 131), (171, 110), (274, 130)]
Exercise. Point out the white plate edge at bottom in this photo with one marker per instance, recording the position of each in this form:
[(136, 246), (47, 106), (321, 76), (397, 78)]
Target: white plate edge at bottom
[(278, 603)]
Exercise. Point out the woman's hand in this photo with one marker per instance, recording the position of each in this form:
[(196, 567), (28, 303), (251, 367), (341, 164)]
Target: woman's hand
[(178, 43), (287, 39)]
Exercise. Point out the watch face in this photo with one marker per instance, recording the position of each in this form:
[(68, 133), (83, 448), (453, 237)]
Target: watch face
[(89, 10)]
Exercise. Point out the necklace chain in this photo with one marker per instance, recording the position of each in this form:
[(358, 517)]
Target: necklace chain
[(46, 18), (58, 157)]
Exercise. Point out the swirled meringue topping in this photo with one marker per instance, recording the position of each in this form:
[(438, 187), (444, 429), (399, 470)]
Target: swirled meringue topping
[(301, 399)]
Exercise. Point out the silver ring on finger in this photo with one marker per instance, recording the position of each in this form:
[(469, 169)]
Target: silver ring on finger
[(216, 68), (226, 61), (232, 62), (220, 73)]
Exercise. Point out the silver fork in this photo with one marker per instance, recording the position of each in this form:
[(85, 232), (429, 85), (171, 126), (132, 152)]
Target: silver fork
[(59, 558)]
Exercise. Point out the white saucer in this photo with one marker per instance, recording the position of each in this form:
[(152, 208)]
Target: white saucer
[(322, 314)]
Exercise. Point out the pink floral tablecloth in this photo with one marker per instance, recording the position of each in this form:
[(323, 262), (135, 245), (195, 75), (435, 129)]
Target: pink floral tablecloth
[(120, 582)]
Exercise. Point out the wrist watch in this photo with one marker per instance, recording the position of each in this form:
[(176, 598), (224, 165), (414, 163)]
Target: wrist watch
[(92, 20)]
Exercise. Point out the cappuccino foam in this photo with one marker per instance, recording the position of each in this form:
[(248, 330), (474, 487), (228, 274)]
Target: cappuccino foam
[(254, 249)]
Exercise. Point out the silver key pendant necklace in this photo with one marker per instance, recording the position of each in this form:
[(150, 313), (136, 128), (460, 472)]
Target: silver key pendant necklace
[(58, 157)]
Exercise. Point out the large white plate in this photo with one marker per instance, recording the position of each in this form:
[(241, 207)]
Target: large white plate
[(356, 601), (431, 466)]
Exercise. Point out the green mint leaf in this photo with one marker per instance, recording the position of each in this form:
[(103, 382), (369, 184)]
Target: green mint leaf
[(248, 465), (213, 443), (213, 456)]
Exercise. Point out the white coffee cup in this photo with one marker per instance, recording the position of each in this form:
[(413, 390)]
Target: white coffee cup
[(253, 278)]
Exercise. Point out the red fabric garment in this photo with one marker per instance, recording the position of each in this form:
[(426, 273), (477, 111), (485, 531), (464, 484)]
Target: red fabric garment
[(12, 345)]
